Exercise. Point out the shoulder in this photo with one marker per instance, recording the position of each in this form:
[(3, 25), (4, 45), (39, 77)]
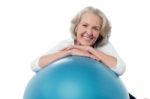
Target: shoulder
[(66, 42), (60, 45), (108, 48)]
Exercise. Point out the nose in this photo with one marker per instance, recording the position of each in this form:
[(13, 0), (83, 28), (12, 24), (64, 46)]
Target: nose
[(89, 31)]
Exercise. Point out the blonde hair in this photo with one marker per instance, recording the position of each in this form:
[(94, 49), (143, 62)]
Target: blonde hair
[(105, 28)]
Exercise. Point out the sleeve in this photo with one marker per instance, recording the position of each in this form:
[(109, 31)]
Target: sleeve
[(35, 66), (120, 66)]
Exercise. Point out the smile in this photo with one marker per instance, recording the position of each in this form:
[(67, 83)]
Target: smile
[(87, 38)]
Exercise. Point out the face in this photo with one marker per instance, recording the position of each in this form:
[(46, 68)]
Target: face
[(88, 29)]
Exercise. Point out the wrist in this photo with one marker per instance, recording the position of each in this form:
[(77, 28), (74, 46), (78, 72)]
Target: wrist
[(68, 52), (90, 49)]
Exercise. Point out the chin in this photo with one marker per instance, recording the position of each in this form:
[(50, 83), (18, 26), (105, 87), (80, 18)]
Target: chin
[(85, 43)]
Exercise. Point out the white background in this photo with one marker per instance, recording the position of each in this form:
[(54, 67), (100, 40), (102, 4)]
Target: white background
[(29, 28)]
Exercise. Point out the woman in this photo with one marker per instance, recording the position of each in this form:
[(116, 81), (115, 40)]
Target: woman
[(90, 30)]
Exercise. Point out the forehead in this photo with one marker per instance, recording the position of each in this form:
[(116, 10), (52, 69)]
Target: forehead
[(91, 18)]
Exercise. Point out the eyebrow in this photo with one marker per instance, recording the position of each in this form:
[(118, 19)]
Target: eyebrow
[(87, 23)]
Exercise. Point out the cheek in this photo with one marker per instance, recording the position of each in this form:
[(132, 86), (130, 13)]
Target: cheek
[(96, 34), (80, 29), (79, 32), (79, 35)]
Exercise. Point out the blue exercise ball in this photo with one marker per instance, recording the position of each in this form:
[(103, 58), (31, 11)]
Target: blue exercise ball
[(75, 77)]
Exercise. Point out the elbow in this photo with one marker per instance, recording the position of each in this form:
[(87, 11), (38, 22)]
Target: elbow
[(122, 70), (42, 62), (35, 65), (120, 67)]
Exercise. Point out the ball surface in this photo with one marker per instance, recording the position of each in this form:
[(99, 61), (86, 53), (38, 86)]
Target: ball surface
[(75, 77)]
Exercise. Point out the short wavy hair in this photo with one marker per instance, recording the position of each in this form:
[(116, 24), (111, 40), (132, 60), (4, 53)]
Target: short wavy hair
[(105, 28)]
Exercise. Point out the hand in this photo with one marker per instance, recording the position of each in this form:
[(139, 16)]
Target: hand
[(75, 50), (80, 50), (85, 48), (82, 53), (67, 48)]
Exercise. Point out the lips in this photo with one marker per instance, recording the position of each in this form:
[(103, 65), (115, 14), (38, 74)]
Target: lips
[(88, 37)]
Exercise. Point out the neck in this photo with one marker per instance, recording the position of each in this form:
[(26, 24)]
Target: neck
[(76, 42)]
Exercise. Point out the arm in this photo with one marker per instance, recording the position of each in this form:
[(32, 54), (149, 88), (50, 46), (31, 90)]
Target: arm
[(43, 61), (55, 54), (46, 59), (108, 56), (115, 63), (120, 66), (108, 60)]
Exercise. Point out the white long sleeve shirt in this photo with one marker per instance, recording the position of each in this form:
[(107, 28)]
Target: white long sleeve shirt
[(107, 49)]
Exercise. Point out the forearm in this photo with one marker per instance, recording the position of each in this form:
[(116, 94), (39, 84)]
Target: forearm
[(45, 60), (108, 60)]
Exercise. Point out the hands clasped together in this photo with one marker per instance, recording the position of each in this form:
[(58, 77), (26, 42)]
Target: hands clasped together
[(81, 51)]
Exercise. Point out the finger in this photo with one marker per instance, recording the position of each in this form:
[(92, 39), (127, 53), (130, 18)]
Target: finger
[(70, 47), (94, 57), (78, 47), (63, 49), (67, 48), (85, 48)]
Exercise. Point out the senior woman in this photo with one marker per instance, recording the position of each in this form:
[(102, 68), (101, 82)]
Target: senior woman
[(90, 30)]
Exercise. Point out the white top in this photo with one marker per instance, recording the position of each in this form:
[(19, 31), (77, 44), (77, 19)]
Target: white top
[(107, 48)]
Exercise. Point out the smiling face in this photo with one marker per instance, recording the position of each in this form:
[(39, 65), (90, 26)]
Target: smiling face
[(88, 29)]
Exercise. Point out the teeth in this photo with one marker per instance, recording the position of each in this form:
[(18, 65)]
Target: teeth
[(87, 37)]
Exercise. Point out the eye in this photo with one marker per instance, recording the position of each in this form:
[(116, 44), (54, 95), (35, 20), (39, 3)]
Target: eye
[(84, 25), (96, 28)]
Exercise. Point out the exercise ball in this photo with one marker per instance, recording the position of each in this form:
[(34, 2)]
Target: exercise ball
[(75, 77)]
